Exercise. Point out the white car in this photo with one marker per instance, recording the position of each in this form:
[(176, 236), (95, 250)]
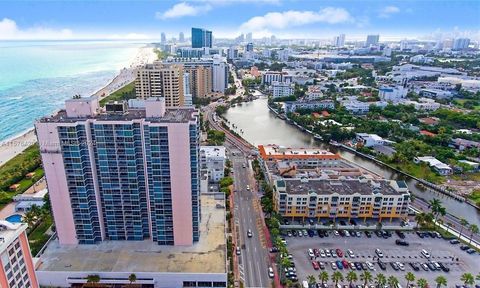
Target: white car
[(370, 265), (350, 253), (336, 233), (327, 253), (425, 253), (322, 253), (270, 272), (347, 234), (401, 266), (333, 265), (310, 253), (379, 253)]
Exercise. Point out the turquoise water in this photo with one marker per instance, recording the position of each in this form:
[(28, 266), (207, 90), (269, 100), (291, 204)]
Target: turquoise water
[(15, 218), (37, 76)]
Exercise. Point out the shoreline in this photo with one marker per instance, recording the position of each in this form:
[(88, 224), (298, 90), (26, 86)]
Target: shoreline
[(11, 147)]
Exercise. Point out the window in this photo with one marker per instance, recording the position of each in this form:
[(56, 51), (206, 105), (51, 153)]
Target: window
[(219, 284), (204, 284), (189, 284)]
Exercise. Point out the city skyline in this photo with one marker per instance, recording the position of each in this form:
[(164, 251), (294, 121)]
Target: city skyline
[(393, 20)]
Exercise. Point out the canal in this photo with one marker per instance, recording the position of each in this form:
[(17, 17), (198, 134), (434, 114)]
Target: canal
[(261, 126)]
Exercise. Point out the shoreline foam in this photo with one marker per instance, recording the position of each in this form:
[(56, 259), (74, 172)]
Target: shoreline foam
[(16, 144)]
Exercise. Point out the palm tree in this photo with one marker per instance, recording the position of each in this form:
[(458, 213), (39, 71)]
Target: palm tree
[(422, 283), (93, 279), (467, 279), (29, 218), (311, 279), (336, 277), (352, 277), (366, 277), (410, 277), (392, 281), (380, 280), (323, 277), (441, 281), (474, 229), (132, 278), (429, 219), (437, 208), (464, 223), (420, 219), (477, 277)]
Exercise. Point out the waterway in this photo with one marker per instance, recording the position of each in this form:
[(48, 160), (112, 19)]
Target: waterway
[(261, 126)]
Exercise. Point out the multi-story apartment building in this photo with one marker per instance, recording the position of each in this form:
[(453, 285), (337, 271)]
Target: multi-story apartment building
[(161, 80), (200, 78), (281, 89), (268, 77), (212, 160), (123, 173), (341, 198), (217, 66), (311, 184), (292, 106), (16, 264)]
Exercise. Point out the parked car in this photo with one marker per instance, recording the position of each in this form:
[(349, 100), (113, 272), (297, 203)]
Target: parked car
[(379, 253), (310, 253), (339, 252), (464, 247), (315, 265), (394, 266), (382, 265), (443, 267), (237, 250), (368, 234), (321, 265), (339, 264), (333, 265), (401, 242), (370, 265), (270, 272), (425, 253), (345, 264), (454, 241), (400, 234), (350, 253), (400, 266), (424, 266), (415, 266), (322, 253)]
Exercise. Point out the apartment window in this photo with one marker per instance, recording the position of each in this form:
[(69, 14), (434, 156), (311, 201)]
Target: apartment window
[(189, 284), (219, 284), (204, 284)]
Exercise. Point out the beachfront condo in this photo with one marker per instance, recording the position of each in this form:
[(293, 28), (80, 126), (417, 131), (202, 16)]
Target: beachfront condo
[(122, 173), (16, 264)]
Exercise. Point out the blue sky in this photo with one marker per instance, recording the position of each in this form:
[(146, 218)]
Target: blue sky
[(228, 18)]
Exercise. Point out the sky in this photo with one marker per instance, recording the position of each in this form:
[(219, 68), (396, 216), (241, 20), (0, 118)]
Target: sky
[(320, 19)]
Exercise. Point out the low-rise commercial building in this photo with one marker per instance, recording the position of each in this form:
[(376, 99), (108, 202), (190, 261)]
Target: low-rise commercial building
[(369, 140), (392, 93), (212, 160)]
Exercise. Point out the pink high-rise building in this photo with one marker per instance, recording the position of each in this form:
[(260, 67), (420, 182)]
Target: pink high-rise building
[(122, 173)]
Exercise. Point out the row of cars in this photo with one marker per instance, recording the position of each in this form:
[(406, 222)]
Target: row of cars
[(342, 233)]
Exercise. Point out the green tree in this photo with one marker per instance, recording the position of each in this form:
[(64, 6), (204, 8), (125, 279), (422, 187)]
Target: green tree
[(463, 223), (392, 281), (437, 208), (380, 280), (366, 277), (337, 277), (132, 278), (467, 279), (93, 279), (352, 277), (441, 281), (422, 283), (311, 279), (323, 277), (410, 277), (474, 230)]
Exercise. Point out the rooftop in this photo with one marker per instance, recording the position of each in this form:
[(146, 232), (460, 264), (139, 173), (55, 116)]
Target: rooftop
[(179, 115), (213, 151), (206, 256), (9, 232), (280, 152), (343, 186)]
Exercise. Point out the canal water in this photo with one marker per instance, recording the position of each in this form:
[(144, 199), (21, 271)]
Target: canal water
[(261, 126)]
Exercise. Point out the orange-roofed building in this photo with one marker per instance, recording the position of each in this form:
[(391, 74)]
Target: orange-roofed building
[(325, 113), (254, 71), (427, 133), (316, 115), (299, 155)]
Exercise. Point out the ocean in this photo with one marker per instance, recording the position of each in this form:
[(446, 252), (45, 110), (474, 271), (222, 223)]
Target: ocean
[(36, 77)]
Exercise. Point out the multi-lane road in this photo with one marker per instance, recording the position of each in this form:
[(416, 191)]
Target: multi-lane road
[(253, 261)]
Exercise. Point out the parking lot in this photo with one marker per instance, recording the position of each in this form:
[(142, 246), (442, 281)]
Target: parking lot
[(440, 250)]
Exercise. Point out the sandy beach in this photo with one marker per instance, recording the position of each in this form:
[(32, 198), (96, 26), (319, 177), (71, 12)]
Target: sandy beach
[(11, 147)]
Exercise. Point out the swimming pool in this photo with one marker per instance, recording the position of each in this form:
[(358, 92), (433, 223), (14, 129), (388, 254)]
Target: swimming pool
[(15, 218)]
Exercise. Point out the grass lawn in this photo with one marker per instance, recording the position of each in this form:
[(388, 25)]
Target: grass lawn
[(26, 183), (37, 238), (125, 93), (420, 171), (475, 197), (467, 177)]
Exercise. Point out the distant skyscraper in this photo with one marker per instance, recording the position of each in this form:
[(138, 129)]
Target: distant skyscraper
[(249, 47), (201, 38), (181, 37), (249, 37), (163, 40), (461, 43), (240, 38), (372, 40), (138, 181), (339, 41)]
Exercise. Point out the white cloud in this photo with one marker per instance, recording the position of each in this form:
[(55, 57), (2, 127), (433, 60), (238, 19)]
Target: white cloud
[(287, 19), (183, 9), (10, 31), (388, 10)]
